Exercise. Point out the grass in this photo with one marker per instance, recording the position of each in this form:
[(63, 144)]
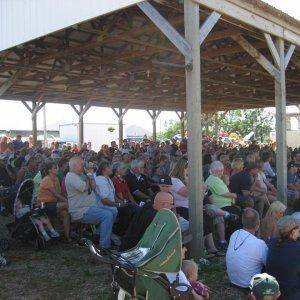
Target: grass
[(70, 272)]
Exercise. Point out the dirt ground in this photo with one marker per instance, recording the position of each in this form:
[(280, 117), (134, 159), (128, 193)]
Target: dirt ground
[(66, 271)]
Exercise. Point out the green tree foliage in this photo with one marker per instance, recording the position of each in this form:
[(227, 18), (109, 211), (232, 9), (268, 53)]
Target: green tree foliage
[(240, 121), (172, 129), (244, 121)]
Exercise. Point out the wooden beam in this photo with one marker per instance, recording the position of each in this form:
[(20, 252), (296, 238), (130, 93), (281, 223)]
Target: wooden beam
[(37, 107), (208, 25), (193, 109), (281, 148), (179, 42), (272, 49), (85, 108), (7, 84), (241, 14), (257, 56), (75, 109), (288, 55), (27, 106)]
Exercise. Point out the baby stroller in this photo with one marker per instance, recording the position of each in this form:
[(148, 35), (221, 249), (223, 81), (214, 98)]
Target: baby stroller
[(143, 272), (24, 227)]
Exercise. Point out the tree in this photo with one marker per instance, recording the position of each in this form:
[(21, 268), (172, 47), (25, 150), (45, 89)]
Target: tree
[(173, 129), (240, 121), (244, 121)]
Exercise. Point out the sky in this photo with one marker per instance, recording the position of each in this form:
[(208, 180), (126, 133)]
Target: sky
[(14, 115)]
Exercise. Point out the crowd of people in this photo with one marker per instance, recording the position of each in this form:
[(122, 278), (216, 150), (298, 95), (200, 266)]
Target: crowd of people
[(122, 189)]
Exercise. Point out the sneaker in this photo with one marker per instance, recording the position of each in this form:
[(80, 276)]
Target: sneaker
[(3, 261), (54, 234)]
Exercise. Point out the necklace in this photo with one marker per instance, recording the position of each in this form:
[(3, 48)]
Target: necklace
[(235, 247)]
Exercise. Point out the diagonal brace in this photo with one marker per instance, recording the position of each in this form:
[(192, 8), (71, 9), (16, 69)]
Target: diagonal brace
[(8, 83), (261, 59), (181, 115), (288, 55), (37, 107), (27, 106), (154, 114), (85, 109), (272, 48), (170, 32), (121, 113), (208, 25)]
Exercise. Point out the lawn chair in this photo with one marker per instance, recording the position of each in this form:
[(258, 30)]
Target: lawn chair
[(141, 273)]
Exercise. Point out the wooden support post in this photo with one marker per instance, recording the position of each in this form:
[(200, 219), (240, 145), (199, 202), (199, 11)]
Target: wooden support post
[(280, 102), (34, 123), (81, 112), (120, 114), (154, 115), (34, 110), (80, 127), (193, 104), (182, 117)]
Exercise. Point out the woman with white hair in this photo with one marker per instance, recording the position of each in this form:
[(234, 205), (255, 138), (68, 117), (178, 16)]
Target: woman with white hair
[(220, 192), (268, 227), (221, 198)]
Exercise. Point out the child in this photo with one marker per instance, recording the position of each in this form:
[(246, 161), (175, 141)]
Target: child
[(38, 217), (190, 269)]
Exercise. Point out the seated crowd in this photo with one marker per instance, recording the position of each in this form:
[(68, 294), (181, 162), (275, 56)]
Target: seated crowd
[(120, 191)]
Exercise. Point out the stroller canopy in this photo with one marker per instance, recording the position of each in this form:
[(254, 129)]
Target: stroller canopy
[(159, 250)]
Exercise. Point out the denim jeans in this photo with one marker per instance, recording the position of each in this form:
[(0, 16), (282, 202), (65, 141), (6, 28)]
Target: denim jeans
[(106, 218)]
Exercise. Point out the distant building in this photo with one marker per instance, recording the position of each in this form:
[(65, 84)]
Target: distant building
[(27, 133), (136, 133)]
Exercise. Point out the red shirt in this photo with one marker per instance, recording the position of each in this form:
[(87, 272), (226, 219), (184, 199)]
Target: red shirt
[(121, 187)]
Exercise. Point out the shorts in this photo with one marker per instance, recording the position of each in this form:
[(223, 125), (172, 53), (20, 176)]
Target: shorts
[(50, 208), (212, 210)]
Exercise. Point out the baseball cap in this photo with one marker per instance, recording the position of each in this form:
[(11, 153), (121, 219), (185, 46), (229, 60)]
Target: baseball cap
[(166, 180), (264, 285)]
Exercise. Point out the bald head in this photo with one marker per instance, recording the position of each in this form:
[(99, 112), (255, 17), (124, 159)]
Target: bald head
[(76, 165), (163, 200)]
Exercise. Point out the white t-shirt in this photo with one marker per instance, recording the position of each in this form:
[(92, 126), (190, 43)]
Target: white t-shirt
[(105, 188), (179, 201), (246, 255), (182, 280), (79, 200)]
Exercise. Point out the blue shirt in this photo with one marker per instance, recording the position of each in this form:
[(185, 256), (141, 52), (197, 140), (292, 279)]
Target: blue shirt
[(283, 262), (291, 178), (18, 144)]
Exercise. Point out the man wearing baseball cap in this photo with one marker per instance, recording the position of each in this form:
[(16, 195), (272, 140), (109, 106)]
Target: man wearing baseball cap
[(264, 287)]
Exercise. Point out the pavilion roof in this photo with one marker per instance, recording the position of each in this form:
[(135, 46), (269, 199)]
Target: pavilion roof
[(122, 59)]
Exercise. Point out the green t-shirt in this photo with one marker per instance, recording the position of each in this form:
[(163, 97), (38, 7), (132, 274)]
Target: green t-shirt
[(127, 166), (218, 188), (60, 175)]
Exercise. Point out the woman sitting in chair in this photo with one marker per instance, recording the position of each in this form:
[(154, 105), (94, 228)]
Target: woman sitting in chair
[(50, 197)]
